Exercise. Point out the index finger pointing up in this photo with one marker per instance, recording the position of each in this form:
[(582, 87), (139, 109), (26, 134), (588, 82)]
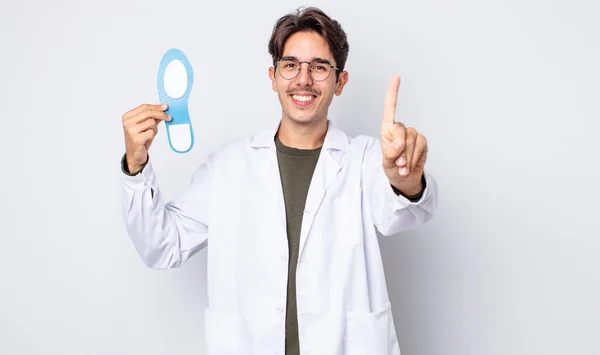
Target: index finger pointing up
[(390, 100)]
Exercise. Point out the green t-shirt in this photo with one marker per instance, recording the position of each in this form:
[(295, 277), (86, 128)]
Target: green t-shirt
[(296, 167)]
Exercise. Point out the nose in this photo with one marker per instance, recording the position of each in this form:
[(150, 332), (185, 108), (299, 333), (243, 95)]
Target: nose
[(304, 77)]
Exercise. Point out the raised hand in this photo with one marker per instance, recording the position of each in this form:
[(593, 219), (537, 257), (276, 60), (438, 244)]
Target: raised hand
[(141, 126), (404, 149)]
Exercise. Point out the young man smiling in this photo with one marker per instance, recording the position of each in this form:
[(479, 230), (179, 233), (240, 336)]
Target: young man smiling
[(291, 213)]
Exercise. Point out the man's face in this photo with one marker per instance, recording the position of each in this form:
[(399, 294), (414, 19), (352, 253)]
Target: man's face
[(304, 100)]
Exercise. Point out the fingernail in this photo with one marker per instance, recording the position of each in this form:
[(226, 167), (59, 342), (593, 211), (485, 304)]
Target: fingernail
[(170, 118), (163, 106), (401, 161), (404, 171)]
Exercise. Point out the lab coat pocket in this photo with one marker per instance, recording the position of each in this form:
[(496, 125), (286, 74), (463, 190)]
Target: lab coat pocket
[(348, 221), (371, 333), (222, 333)]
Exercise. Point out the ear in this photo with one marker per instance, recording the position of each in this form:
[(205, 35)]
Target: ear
[(272, 77), (342, 80)]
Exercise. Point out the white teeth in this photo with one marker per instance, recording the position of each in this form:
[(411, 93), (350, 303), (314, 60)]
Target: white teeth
[(302, 98)]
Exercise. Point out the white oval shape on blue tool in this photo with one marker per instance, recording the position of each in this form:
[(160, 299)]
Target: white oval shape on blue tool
[(175, 80)]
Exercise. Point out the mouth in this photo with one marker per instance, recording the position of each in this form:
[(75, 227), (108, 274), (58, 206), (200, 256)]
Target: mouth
[(303, 99)]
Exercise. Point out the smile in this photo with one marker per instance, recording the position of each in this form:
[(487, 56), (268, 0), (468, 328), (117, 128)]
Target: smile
[(303, 100)]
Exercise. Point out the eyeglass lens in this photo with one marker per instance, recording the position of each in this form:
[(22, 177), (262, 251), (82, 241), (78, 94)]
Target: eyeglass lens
[(289, 69)]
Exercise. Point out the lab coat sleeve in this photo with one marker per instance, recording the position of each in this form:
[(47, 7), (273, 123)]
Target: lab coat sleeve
[(166, 235), (395, 213)]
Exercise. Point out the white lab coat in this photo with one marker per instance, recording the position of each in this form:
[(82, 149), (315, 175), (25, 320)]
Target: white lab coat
[(235, 205)]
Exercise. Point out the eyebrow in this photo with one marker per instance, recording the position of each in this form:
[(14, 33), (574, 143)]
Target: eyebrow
[(315, 59)]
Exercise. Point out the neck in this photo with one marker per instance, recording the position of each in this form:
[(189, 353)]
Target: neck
[(302, 136)]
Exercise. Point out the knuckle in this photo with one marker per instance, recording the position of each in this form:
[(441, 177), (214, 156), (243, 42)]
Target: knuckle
[(398, 143), (388, 154)]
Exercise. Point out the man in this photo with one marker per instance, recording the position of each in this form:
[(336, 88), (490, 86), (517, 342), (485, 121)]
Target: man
[(292, 213)]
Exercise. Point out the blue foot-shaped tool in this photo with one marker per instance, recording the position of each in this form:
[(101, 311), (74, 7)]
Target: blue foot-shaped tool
[(175, 80)]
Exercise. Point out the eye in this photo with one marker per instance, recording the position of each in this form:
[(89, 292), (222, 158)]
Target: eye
[(288, 64)]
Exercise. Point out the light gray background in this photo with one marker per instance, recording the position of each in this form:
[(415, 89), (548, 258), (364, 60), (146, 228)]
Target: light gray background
[(506, 92)]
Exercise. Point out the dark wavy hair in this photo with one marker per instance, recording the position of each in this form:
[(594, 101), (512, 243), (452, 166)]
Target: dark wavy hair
[(310, 19)]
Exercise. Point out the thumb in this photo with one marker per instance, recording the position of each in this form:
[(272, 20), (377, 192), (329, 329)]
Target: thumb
[(394, 149)]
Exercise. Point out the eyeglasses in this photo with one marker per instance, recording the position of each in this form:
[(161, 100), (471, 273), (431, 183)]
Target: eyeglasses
[(319, 69)]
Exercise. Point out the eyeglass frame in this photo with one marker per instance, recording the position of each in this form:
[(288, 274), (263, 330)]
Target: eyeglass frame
[(318, 60)]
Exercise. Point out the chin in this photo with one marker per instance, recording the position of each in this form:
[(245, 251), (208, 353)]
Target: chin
[(305, 119)]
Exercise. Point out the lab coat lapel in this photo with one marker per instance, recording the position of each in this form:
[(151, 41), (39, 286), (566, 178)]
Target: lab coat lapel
[(268, 169), (328, 166), (325, 172)]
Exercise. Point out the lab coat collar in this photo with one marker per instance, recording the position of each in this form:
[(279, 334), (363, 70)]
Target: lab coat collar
[(335, 139), (335, 146)]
